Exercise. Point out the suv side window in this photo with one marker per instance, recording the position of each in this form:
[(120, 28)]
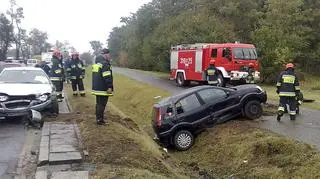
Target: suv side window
[(187, 104), (214, 53), (209, 95)]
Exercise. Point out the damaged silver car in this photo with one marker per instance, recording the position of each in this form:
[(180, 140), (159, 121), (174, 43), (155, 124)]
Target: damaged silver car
[(23, 89)]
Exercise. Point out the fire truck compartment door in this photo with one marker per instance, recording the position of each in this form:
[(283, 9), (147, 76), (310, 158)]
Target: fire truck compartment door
[(198, 60)]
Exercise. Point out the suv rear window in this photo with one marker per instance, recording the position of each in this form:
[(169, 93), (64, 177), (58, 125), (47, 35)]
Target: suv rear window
[(187, 104)]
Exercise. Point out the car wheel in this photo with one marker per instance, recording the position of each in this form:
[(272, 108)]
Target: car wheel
[(253, 110), (183, 140), (181, 81), (221, 81)]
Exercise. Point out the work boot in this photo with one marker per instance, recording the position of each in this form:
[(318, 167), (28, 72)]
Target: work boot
[(278, 118), (280, 114), (292, 117), (75, 94), (83, 94), (102, 122)]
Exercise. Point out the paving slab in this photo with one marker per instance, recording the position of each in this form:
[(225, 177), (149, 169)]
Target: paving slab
[(62, 148), (65, 158), (65, 141), (60, 168), (70, 175)]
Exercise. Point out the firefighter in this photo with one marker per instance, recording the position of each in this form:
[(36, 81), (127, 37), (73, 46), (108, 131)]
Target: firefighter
[(43, 65), (56, 74), (76, 71), (212, 74), (288, 89), (102, 84), (67, 69), (250, 78), (62, 72)]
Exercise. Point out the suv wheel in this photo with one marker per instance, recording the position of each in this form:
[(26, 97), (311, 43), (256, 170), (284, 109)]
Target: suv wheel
[(253, 110), (181, 81), (221, 81), (183, 140)]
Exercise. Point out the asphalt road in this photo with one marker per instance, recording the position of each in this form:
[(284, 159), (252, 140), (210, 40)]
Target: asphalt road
[(12, 138), (306, 128)]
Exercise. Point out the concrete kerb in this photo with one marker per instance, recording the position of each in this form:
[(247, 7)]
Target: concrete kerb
[(68, 103), (43, 157)]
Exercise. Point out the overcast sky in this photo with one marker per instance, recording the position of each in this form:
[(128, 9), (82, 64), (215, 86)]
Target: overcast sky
[(77, 21)]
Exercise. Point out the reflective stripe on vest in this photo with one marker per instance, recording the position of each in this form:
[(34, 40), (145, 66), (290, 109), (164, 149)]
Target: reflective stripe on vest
[(57, 71), (106, 73), (211, 72), (288, 94), (288, 79), (55, 79), (101, 93)]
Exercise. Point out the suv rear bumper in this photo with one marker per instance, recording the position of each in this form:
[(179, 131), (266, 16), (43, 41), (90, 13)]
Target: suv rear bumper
[(22, 111)]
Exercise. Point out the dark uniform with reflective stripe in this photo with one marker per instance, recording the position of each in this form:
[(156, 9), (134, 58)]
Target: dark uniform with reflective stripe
[(212, 75), (67, 69), (288, 88), (76, 72), (56, 76), (102, 80), (44, 67)]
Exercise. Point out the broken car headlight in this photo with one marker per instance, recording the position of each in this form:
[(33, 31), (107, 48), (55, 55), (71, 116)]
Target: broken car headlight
[(3, 98), (43, 97)]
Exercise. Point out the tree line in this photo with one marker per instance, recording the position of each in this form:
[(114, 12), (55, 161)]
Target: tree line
[(283, 31)]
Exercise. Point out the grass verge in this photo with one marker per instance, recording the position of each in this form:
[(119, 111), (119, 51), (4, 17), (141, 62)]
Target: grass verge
[(125, 148)]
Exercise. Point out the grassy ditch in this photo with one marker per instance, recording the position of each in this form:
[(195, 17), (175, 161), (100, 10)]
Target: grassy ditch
[(125, 147)]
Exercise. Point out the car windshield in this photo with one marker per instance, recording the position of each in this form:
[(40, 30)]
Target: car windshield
[(24, 76), (245, 53)]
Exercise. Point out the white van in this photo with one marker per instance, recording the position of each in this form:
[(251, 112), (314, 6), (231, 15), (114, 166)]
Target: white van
[(32, 62)]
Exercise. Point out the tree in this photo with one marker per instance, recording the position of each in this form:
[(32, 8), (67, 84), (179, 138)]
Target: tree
[(16, 14), (38, 41), (87, 58), (96, 46), (6, 36)]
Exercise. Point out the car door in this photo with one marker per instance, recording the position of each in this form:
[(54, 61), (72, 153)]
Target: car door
[(219, 102), (190, 110)]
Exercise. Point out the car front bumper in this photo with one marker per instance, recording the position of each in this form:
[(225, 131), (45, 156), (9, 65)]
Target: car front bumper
[(22, 111)]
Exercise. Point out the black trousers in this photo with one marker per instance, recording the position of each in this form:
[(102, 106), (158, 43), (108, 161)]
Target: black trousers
[(77, 84), (101, 102), (284, 101), (59, 86)]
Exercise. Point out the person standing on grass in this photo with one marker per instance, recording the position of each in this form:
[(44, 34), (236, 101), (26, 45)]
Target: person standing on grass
[(76, 73), (102, 84), (288, 89)]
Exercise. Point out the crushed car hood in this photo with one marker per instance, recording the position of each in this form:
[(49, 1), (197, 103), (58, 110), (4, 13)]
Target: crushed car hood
[(24, 89)]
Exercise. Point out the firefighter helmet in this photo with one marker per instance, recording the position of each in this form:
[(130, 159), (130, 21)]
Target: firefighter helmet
[(212, 62), (56, 53), (289, 65)]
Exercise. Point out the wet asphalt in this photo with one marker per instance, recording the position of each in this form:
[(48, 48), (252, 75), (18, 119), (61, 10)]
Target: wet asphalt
[(306, 128), (12, 138)]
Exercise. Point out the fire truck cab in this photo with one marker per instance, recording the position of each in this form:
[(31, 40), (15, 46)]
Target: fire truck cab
[(235, 62)]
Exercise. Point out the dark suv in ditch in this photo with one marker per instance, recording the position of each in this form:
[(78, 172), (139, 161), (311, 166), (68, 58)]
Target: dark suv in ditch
[(178, 118)]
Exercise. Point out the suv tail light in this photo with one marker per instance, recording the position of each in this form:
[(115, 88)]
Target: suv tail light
[(158, 117)]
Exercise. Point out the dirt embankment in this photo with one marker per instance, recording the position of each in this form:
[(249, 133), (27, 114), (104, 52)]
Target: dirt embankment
[(124, 149)]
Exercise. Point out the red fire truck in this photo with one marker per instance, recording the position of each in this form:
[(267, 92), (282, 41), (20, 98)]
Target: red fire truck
[(236, 62)]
